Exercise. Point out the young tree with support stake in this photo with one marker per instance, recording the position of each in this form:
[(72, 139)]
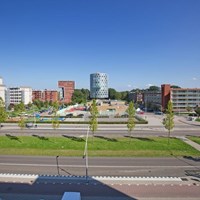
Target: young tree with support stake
[(3, 114), (131, 114), (168, 121), (55, 120), (94, 114)]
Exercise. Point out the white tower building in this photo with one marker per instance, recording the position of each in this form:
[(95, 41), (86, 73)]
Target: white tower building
[(98, 86)]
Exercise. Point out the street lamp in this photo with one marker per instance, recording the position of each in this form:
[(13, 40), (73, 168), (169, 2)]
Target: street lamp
[(85, 154), (57, 164)]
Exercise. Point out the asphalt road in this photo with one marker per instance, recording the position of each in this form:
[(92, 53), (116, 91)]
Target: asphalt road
[(174, 167), (79, 130)]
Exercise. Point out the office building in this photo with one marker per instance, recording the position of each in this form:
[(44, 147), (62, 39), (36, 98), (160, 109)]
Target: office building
[(98, 86)]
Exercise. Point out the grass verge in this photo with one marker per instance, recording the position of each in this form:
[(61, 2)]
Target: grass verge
[(195, 139), (97, 146)]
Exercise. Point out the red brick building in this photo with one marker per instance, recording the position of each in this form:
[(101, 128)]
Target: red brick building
[(46, 95), (165, 95), (67, 90), (50, 95), (37, 94)]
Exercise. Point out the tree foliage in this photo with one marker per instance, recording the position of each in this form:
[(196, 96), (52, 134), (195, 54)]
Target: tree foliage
[(154, 88), (21, 123), (3, 113), (19, 107), (80, 96), (197, 110), (131, 113), (94, 114), (168, 121)]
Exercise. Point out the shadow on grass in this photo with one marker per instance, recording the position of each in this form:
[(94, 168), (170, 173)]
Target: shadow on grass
[(11, 137), (41, 137), (140, 138), (196, 159), (77, 139), (106, 138)]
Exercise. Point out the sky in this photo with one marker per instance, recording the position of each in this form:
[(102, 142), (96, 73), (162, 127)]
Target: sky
[(137, 43)]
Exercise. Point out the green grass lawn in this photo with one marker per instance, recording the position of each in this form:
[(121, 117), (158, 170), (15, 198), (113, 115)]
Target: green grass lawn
[(195, 139), (97, 146)]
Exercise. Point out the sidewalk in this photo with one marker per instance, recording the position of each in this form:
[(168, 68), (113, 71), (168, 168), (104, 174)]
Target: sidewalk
[(190, 142), (186, 121)]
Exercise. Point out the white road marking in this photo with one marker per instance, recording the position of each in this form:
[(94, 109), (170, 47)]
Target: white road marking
[(94, 166)]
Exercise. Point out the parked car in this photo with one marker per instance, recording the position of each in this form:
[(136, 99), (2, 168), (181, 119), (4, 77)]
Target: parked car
[(31, 125), (158, 113), (70, 115), (80, 115)]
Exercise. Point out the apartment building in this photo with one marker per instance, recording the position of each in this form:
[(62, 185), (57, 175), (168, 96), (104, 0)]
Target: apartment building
[(66, 91), (37, 95), (15, 95), (181, 98), (50, 95)]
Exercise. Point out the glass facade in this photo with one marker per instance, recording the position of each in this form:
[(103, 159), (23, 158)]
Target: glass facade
[(98, 86)]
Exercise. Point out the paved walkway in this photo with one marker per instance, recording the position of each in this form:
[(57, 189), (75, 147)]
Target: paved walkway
[(190, 142)]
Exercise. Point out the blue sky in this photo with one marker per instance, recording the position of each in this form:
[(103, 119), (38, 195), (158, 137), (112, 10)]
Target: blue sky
[(136, 42)]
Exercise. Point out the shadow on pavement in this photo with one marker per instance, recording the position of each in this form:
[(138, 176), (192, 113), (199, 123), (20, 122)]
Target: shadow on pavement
[(53, 187)]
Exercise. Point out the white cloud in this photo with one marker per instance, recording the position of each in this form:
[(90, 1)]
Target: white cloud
[(149, 85), (129, 85), (194, 78)]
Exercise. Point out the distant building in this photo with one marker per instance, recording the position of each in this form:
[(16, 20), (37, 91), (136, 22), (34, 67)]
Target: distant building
[(50, 95), (66, 91), (37, 95), (45, 95), (2, 90), (16, 95), (98, 86), (152, 100), (181, 97), (136, 97)]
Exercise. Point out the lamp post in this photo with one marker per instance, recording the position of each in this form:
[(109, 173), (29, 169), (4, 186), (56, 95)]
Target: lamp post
[(57, 164), (85, 154)]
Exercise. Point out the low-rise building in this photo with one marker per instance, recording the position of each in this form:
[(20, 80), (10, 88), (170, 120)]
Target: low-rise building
[(181, 98)]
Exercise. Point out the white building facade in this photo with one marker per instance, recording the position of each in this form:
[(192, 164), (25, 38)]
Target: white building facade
[(98, 86), (16, 95), (185, 97), (2, 90)]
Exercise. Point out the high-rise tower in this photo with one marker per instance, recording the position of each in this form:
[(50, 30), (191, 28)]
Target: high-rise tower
[(98, 86)]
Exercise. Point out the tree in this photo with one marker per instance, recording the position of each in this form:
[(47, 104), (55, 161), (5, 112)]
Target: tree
[(197, 110), (154, 88), (21, 123), (188, 108), (94, 114), (168, 121), (3, 114), (55, 121), (131, 114)]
